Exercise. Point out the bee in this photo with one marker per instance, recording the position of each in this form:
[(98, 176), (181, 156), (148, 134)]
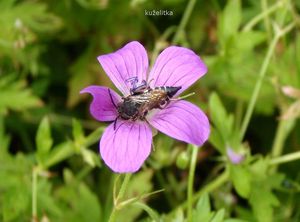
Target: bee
[(143, 99)]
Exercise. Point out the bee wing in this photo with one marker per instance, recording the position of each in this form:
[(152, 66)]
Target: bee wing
[(141, 98)]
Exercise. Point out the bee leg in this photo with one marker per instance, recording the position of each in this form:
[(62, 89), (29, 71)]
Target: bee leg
[(140, 88), (144, 119), (164, 104), (112, 101), (144, 83), (150, 81), (115, 122)]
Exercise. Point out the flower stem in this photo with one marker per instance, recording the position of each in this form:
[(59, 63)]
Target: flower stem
[(219, 181), (34, 193), (121, 193), (285, 158), (264, 5), (283, 129), (191, 183), (261, 16), (160, 44), (262, 73), (186, 15), (257, 88)]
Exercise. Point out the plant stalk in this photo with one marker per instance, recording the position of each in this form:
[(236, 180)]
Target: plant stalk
[(34, 193), (186, 15), (121, 194), (191, 183)]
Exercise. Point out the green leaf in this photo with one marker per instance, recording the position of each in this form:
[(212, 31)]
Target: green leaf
[(90, 157), (203, 209), (82, 76), (235, 220), (139, 185), (77, 130), (216, 140), (223, 122), (15, 187), (151, 212), (177, 216), (241, 178), (93, 137), (261, 198), (14, 95), (246, 41), (43, 137), (4, 139), (59, 153), (79, 202), (259, 168), (219, 216), (230, 20), (262, 201), (15, 201), (36, 17), (47, 203)]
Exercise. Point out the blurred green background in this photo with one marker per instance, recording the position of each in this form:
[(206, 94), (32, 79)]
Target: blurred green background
[(50, 169)]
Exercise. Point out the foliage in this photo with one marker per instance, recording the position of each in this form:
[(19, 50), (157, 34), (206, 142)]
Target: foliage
[(50, 169)]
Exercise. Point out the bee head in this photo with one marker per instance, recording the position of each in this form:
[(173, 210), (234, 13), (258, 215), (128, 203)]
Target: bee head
[(172, 90)]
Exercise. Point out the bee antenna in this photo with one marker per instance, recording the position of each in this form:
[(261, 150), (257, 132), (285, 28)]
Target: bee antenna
[(132, 79), (183, 97), (150, 81), (115, 122), (112, 101)]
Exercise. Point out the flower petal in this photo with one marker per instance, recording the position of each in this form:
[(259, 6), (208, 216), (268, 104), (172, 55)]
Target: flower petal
[(102, 108), (125, 148), (129, 61), (234, 157), (177, 66), (184, 121)]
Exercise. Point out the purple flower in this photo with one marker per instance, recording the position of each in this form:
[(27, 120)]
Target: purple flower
[(234, 157), (125, 144)]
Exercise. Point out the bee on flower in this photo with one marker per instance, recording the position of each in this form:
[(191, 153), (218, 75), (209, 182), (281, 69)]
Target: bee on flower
[(149, 100)]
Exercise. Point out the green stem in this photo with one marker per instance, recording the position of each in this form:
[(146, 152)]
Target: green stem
[(121, 194), (187, 13), (261, 16), (83, 173), (283, 129), (167, 193), (108, 199), (285, 158), (153, 215), (280, 136), (219, 181), (160, 44), (257, 88), (261, 75), (239, 113), (191, 183), (264, 5), (34, 193)]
